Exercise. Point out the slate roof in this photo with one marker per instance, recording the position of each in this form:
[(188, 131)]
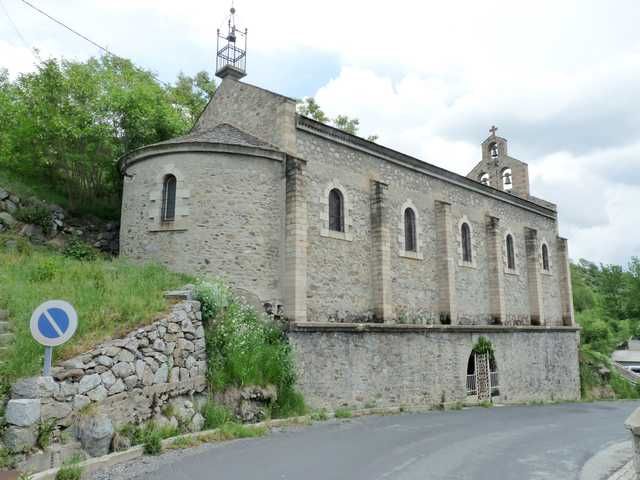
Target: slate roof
[(222, 133)]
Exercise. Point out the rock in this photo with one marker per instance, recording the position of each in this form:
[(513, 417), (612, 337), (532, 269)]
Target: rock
[(95, 433), (23, 412), (67, 390), (117, 387), (197, 423), (125, 356), (73, 363), (7, 219), (73, 374), (3, 194), (123, 369), (89, 382), (55, 410), (33, 232), (131, 381), (80, 401), (174, 375), (185, 345), (10, 206), (34, 387), (161, 375), (105, 361), (120, 442), (98, 394), (108, 378), (153, 365), (19, 439), (58, 242)]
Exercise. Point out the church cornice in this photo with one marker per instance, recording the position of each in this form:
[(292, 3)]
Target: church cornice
[(339, 136), (149, 151)]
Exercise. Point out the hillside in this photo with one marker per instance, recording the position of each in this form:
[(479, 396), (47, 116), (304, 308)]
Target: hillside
[(112, 296)]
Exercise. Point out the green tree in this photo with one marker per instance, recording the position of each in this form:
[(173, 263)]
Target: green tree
[(69, 121), (310, 108)]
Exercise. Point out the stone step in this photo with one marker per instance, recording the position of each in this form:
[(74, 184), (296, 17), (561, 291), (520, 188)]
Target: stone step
[(4, 326), (4, 314), (6, 339)]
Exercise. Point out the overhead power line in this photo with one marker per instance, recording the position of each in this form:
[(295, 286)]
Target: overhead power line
[(62, 24), (17, 30), (87, 39)]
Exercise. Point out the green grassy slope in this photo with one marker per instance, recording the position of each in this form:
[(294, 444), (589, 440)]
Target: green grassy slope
[(111, 297)]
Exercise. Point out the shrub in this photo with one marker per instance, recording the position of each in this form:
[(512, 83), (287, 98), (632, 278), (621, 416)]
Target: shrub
[(319, 415), (215, 415), (37, 214), (7, 460), (244, 348), (343, 413), (153, 443), (70, 470), (80, 251), (483, 346), (45, 431)]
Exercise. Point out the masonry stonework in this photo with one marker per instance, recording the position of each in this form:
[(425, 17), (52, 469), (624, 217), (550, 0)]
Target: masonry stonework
[(417, 365), (252, 207)]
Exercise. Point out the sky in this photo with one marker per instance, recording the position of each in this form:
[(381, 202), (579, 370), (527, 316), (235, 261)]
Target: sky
[(560, 79)]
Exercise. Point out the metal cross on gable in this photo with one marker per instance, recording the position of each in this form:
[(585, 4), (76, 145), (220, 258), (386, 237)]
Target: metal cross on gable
[(493, 130)]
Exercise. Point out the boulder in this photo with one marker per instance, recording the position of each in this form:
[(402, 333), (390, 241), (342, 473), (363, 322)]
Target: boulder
[(95, 433), (98, 394), (23, 412), (89, 382), (123, 369), (7, 219), (197, 423), (35, 387), (20, 439)]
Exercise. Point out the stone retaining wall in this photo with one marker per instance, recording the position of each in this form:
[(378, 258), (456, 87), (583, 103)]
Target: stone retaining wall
[(360, 365), (128, 379)]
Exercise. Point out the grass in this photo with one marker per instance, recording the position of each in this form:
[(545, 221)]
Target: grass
[(112, 297), (244, 348), (343, 412), (70, 470), (215, 415), (227, 431), (320, 415)]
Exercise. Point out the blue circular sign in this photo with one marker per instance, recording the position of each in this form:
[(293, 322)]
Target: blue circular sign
[(53, 323)]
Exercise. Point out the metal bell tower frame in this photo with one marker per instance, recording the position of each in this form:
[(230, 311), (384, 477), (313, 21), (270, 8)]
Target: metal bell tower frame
[(231, 58)]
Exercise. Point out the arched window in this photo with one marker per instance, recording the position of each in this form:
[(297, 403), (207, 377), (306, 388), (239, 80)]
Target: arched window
[(410, 244), (485, 178), (511, 257), (545, 257), (507, 180), (336, 211), (169, 199), (465, 233)]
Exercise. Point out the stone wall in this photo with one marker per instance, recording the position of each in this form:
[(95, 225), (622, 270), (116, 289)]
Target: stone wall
[(127, 380), (358, 365)]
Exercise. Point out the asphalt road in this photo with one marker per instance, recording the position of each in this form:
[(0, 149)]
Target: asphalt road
[(521, 442)]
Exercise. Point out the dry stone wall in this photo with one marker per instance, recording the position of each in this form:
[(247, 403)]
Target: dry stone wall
[(128, 379)]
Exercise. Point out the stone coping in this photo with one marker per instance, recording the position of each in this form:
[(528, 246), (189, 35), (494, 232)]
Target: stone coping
[(405, 328)]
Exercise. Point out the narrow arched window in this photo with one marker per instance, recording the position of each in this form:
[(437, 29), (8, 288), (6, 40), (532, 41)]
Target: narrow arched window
[(465, 233), (410, 243), (169, 198), (336, 211), (511, 257), (545, 258)]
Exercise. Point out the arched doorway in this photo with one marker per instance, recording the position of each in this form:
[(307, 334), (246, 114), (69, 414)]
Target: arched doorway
[(482, 382)]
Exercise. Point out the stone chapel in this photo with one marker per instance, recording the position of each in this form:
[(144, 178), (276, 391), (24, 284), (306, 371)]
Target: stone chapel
[(374, 257)]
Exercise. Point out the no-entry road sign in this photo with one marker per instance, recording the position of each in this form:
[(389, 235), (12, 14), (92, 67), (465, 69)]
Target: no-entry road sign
[(53, 323)]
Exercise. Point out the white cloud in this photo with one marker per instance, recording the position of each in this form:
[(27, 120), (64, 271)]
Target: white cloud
[(560, 79)]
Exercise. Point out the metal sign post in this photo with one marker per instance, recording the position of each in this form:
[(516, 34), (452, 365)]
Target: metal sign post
[(52, 324)]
